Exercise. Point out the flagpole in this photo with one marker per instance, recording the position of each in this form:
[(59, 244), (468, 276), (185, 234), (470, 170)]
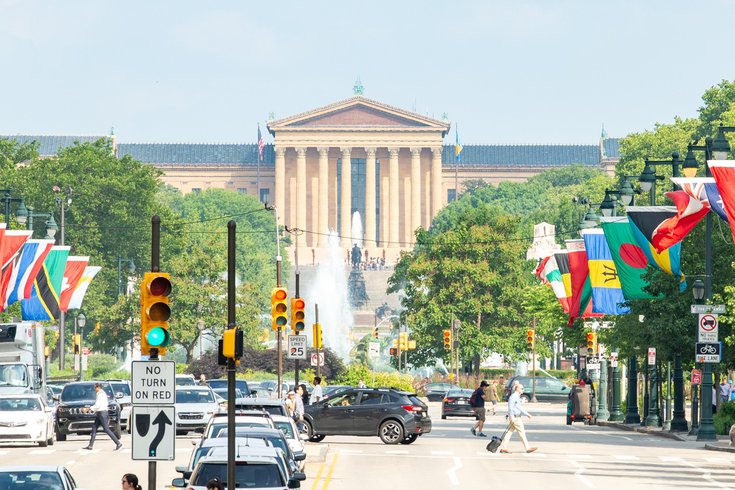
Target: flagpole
[(257, 175), (456, 162)]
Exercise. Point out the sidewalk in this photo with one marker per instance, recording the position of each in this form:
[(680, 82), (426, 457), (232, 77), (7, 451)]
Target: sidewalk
[(722, 443)]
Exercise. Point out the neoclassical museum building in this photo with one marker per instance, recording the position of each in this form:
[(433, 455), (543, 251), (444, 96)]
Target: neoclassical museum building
[(357, 166)]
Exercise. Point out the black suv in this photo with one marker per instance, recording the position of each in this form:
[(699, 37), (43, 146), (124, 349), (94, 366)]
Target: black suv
[(395, 416), (70, 417)]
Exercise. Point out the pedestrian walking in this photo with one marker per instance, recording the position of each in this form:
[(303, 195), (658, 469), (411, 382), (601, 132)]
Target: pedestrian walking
[(291, 403), (492, 392), (101, 418), (515, 422), (316, 393), (477, 402), (130, 482), (215, 484), (298, 413), (725, 389), (304, 395)]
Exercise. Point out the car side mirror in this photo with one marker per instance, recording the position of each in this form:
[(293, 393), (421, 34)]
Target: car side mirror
[(55, 398), (299, 456), (299, 476), (182, 469), (293, 483), (118, 395), (178, 483)]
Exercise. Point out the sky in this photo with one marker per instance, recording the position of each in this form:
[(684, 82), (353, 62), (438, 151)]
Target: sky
[(504, 72)]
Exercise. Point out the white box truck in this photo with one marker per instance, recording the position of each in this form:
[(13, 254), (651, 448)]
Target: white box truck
[(22, 359)]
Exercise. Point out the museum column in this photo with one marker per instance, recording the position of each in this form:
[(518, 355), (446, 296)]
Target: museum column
[(436, 181), (281, 181), (345, 228), (370, 198), (393, 213), (323, 226), (301, 190), (415, 191)]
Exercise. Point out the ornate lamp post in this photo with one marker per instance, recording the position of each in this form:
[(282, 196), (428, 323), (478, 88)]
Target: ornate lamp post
[(7, 198), (131, 270), (81, 322)]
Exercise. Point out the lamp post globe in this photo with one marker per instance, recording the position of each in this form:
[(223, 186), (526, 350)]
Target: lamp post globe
[(81, 320)]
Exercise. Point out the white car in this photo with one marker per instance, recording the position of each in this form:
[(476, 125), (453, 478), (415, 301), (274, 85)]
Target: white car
[(194, 407), (219, 422), (293, 437), (207, 445), (121, 388), (26, 418), (37, 476)]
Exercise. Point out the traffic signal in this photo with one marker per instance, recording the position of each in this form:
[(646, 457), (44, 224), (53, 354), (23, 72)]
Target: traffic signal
[(591, 343), (317, 333), (375, 333), (297, 315), (77, 343), (393, 351), (279, 308), (232, 343), (530, 339), (154, 313), (411, 345), (447, 339), (403, 340)]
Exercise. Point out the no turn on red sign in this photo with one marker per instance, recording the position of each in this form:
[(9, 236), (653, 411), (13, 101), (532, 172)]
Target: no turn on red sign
[(708, 327)]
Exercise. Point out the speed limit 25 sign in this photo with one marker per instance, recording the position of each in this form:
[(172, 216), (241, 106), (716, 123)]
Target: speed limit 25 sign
[(296, 347)]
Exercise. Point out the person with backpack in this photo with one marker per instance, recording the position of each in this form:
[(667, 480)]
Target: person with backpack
[(477, 402)]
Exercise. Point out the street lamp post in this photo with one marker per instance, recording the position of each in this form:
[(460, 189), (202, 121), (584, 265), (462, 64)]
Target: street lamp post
[(7, 199), (81, 321), (631, 405), (131, 269), (63, 203)]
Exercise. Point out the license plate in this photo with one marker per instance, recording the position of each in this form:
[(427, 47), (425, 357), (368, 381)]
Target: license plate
[(461, 402)]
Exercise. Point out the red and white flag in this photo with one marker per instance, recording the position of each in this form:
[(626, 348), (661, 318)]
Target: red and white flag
[(73, 272), (724, 173), (78, 295)]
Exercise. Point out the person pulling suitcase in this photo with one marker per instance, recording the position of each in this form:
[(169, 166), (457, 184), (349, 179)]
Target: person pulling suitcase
[(515, 422)]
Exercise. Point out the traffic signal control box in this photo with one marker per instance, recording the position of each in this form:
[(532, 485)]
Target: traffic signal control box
[(154, 313), (317, 334)]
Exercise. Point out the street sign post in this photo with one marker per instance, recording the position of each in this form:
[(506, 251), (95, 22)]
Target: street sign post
[(374, 349), (708, 352), (613, 359), (153, 383), (320, 359), (696, 377), (593, 363), (716, 309), (708, 324), (651, 356), (153, 433), (297, 347)]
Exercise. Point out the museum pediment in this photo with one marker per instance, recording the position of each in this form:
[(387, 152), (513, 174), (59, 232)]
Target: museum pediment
[(357, 113)]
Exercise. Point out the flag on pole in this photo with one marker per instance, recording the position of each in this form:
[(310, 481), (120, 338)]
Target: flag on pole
[(704, 189), (650, 220), (261, 145), (10, 245), (630, 260), (724, 173), (25, 269), (75, 266), (78, 295), (457, 145), (607, 295), (44, 301), (552, 276), (579, 277)]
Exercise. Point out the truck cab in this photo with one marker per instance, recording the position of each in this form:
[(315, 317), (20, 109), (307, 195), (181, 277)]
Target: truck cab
[(22, 359)]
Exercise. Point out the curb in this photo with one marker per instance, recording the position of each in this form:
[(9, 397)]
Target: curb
[(319, 455), (643, 430), (724, 449)]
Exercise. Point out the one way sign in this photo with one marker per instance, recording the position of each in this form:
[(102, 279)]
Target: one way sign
[(154, 433)]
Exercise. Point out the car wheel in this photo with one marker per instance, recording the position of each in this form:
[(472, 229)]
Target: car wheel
[(118, 431), (410, 439), (310, 432), (525, 398), (60, 436), (51, 440), (43, 443), (391, 432), (444, 417)]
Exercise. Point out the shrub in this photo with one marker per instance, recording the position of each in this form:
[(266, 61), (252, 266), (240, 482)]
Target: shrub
[(99, 364), (724, 418), (357, 372)]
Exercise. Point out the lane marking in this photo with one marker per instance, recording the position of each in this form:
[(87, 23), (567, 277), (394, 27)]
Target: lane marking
[(42, 451), (574, 457), (487, 453), (331, 470), (452, 473), (319, 474), (705, 474), (3, 453), (718, 460), (670, 459), (626, 457), (534, 455), (397, 451), (581, 469), (442, 453)]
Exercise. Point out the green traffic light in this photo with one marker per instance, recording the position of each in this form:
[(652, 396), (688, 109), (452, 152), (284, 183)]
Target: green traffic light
[(157, 337)]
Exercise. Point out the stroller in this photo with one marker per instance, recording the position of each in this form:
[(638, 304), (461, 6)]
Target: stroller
[(582, 405)]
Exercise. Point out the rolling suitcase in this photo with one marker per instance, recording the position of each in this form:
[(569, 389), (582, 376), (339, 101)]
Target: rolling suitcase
[(495, 441)]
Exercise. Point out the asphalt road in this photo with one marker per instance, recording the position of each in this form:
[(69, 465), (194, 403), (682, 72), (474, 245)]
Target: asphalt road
[(576, 457)]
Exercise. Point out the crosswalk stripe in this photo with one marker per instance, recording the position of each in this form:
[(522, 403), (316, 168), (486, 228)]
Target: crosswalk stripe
[(575, 457), (3, 453), (442, 453), (718, 460), (397, 451), (626, 457), (670, 459), (534, 455), (351, 451)]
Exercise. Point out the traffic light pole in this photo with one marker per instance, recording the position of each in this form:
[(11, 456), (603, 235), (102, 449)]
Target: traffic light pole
[(231, 365), (317, 342), (155, 267), (296, 361), (279, 331)]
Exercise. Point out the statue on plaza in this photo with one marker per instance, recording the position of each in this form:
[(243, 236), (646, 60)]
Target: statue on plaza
[(356, 257)]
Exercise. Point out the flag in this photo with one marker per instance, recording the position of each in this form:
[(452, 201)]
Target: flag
[(579, 277), (75, 266), (724, 173), (704, 189), (78, 295), (562, 262), (607, 295), (10, 245), (25, 269), (44, 301), (539, 270), (261, 145), (668, 261), (630, 260), (648, 219), (457, 145), (553, 278)]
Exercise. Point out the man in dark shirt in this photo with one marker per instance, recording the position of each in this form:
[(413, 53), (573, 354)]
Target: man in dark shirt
[(479, 406)]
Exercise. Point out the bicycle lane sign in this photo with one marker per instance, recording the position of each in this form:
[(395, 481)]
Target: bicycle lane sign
[(707, 352)]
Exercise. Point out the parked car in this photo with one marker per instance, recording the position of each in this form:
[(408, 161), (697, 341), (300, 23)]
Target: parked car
[(242, 419), (273, 436), (221, 384), (185, 380), (194, 406), (121, 388), (26, 418), (435, 391), (292, 435), (34, 477), (269, 389), (547, 388), (394, 416), (70, 415), (273, 407), (456, 403), (206, 446)]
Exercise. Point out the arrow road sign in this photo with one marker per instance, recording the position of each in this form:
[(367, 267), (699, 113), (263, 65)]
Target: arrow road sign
[(154, 433)]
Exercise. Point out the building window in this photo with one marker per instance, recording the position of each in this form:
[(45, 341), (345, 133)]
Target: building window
[(242, 190), (196, 189), (357, 174), (265, 195), (451, 195)]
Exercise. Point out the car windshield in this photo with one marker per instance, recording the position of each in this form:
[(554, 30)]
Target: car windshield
[(123, 388), (20, 405), (215, 428), (271, 409), (194, 396), (184, 381), (278, 442), (18, 480), (259, 475), (459, 393), (286, 428), (221, 384), (84, 391), (13, 375), (223, 392)]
